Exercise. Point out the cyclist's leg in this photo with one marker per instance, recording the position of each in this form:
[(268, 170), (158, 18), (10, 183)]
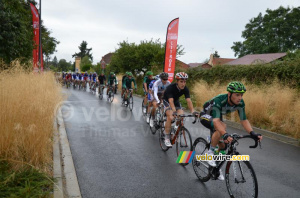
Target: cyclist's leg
[(108, 87), (123, 90), (154, 106), (126, 93), (146, 97)]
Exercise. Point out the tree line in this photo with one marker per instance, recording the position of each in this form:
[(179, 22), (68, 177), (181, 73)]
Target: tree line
[(16, 32)]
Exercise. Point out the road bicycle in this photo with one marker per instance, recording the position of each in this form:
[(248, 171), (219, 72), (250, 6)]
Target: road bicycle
[(158, 118), (129, 101), (84, 85), (101, 87), (110, 96), (179, 136), (68, 83), (93, 87), (240, 177)]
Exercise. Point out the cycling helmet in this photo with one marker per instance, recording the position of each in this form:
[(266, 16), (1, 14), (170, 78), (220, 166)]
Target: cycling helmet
[(164, 75), (111, 73), (129, 74), (149, 73), (181, 75), (236, 87)]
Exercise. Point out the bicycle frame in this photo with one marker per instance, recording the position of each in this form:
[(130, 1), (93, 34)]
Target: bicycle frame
[(181, 124), (231, 151)]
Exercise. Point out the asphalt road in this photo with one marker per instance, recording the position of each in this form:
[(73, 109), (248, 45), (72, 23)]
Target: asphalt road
[(115, 155)]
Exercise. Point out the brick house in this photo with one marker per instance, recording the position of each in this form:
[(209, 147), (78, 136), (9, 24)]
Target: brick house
[(213, 61)]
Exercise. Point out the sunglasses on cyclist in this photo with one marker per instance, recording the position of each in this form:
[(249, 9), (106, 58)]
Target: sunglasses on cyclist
[(165, 79)]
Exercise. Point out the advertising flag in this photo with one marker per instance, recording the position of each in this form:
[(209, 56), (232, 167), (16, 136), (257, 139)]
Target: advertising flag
[(35, 22), (171, 48)]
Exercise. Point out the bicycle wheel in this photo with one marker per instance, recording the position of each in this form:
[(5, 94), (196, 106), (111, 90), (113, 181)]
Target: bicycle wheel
[(183, 142), (241, 179), (130, 103), (162, 139), (111, 96), (201, 168), (153, 129)]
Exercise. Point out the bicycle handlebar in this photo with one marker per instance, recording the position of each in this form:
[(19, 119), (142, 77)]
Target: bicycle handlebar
[(237, 137), (189, 115)]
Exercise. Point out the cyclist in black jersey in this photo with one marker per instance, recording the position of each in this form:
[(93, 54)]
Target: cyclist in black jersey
[(172, 104), (102, 81)]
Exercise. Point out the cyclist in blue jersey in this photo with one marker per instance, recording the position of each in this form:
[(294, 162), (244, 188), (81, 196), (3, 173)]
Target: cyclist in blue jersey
[(150, 97), (158, 89)]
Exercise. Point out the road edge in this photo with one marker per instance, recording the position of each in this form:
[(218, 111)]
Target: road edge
[(57, 172), (269, 134), (67, 171)]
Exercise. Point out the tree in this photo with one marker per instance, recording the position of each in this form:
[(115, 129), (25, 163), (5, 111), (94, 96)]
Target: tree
[(48, 43), (16, 32), (216, 55), (85, 64), (63, 65), (84, 51), (54, 62), (276, 31), (148, 55)]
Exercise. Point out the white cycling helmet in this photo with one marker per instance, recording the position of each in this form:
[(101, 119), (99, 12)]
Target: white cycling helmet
[(181, 75)]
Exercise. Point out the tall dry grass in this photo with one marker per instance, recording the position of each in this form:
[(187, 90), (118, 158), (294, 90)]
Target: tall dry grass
[(272, 107), (27, 111)]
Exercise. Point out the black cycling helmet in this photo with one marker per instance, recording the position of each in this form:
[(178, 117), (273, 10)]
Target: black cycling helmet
[(164, 75)]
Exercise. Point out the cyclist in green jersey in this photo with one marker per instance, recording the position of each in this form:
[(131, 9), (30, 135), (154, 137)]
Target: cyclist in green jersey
[(146, 83), (211, 116), (127, 84), (111, 82), (123, 78)]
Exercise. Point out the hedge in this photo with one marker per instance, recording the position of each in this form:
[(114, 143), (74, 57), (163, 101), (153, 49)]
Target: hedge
[(287, 72)]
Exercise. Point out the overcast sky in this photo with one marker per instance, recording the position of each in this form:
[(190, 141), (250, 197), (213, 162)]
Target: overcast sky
[(204, 25)]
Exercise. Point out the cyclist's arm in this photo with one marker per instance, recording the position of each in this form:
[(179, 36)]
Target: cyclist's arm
[(124, 84), (218, 126), (190, 104), (145, 87), (247, 126), (171, 102)]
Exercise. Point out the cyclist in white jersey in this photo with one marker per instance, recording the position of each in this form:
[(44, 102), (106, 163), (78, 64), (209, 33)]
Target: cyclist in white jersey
[(158, 90)]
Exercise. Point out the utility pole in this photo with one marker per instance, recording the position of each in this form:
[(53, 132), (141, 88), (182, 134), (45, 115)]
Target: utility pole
[(40, 35)]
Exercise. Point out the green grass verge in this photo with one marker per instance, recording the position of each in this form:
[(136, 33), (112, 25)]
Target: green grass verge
[(26, 183)]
